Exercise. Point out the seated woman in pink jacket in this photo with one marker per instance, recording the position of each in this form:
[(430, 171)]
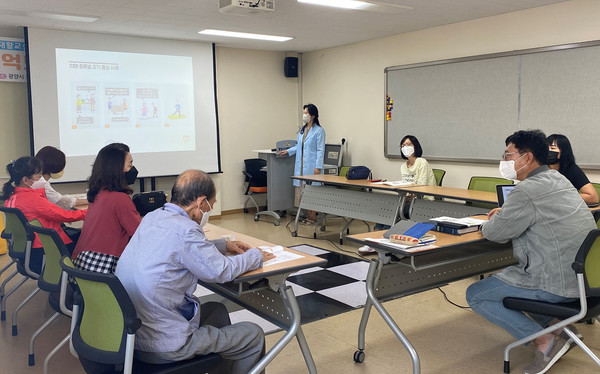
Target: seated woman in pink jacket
[(33, 203)]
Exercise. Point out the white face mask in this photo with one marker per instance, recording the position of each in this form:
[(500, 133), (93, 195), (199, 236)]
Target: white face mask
[(205, 215), (408, 150), (306, 118), (507, 169), (40, 183)]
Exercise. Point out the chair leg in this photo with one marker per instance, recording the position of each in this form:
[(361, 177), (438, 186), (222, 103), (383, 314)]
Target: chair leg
[(12, 290), (581, 345), (35, 335), (7, 279), (3, 286), (53, 352), (14, 315)]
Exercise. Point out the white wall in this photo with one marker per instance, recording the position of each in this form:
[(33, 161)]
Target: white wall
[(347, 83)]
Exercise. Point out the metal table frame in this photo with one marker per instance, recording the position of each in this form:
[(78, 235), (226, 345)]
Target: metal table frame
[(396, 274)]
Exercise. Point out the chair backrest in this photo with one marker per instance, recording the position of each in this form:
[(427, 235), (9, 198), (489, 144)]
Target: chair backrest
[(487, 184), (439, 176), (106, 318), (588, 258), (54, 248), (254, 175), (15, 226), (343, 171), (597, 218), (597, 187)]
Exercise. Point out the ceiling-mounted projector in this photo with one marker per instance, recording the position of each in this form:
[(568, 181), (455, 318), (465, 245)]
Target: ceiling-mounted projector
[(246, 7)]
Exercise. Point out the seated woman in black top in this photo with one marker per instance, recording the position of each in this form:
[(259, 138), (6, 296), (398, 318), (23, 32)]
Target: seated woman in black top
[(561, 158)]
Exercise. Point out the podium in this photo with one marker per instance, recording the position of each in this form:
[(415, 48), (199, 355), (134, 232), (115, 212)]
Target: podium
[(280, 191)]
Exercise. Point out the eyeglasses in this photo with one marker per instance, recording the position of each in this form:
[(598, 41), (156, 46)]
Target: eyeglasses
[(505, 155)]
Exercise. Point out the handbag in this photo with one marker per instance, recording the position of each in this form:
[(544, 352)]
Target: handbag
[(358, 172), (146, 202)]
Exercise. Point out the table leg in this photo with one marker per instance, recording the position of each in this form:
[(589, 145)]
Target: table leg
[(371, 283), (292, 306)]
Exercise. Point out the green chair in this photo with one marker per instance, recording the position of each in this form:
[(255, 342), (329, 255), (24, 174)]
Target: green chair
[(487, 184), (104, 325), (439, 176), (587, 269), (597, 218), (19, 250), (52, 280), (597, 187)]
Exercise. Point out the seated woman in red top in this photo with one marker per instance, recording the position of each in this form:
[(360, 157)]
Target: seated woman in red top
[(112, 218), (33, 203)]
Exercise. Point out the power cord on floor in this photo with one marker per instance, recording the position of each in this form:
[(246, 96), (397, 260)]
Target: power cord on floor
[(451, 302), (292, 219)]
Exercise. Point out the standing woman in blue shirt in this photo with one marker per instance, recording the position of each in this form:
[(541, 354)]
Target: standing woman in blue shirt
[(309, 151)]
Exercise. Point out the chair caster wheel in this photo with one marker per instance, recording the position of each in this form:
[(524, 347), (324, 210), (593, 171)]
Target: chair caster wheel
[(276, 223), (314, 235), (294, 234), (323, 228), (359, 356), (341, 241), (590, 321), (245, 210), (256, 217)]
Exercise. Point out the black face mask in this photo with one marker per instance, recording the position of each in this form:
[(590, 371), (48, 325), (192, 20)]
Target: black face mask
[(131, 175), (552, 158)]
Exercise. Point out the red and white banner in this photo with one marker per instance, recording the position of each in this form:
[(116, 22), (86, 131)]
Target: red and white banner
[(12, 60)]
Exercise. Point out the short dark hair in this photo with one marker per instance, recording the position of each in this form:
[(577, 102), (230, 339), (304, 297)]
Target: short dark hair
[(533, 141), (53, 158), (567, 158), (413, 139), (107, 172), (23, 167), (190, 185)]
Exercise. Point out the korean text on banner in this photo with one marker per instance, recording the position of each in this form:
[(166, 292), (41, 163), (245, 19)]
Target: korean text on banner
[(12, 60)]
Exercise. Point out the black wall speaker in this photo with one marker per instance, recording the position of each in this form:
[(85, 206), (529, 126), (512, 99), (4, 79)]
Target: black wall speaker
[(290, 67)]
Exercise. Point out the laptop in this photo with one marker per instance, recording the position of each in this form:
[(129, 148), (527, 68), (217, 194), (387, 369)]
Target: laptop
[(503, 190)]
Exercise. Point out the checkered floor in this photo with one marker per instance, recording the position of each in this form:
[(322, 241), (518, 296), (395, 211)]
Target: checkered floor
[(335, 288)]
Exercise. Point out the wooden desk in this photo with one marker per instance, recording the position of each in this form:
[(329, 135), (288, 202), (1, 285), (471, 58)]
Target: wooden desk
[(377, 202), (264, 292), (394, 274), (455, 193)]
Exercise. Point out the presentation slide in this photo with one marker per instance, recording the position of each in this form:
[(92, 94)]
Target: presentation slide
[(107, 97), (155, 95)]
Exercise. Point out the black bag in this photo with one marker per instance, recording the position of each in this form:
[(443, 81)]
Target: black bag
[(358, 172), (146, 202)]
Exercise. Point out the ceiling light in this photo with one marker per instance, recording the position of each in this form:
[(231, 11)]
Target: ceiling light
[(346, 4), (245, 35), (63, 17)]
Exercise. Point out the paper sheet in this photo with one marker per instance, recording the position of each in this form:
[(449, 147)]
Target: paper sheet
[(280, 255)]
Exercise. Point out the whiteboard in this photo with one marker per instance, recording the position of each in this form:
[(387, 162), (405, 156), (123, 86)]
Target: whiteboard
[(463, 109)]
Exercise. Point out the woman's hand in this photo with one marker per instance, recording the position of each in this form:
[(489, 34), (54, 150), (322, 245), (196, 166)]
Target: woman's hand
[(283, 153), (317, 171)]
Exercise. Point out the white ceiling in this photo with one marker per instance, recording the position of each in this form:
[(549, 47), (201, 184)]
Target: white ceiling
[(312, 27)]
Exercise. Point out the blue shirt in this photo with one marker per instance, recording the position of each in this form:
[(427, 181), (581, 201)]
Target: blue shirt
[(310, 152), (160, 268)]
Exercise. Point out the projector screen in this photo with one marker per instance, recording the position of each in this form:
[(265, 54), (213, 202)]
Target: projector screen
[(157, 96)]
